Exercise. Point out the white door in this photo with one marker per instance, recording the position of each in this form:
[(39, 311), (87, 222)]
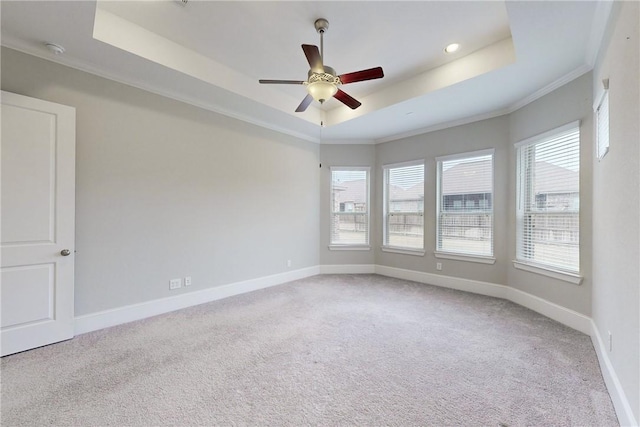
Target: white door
[(37, 231)]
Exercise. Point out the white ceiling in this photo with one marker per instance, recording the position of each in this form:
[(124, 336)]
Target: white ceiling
[(211, 54)]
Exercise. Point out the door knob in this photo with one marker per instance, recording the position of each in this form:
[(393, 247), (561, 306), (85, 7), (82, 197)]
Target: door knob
[(65, 252)]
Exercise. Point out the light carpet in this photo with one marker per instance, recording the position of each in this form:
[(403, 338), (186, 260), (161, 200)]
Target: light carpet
[(335, 350)]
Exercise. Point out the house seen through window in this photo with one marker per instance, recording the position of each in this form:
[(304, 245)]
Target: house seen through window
[(404, 206), (349, 206), (465, 204), (548, 215)]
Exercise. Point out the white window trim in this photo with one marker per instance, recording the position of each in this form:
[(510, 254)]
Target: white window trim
[(596, 108), (351, 247), (546, 135), (395, 249), (526, 265), (404, 251), (457, 255), (404, 164), (566, 276), (466, 154), (465, 257)]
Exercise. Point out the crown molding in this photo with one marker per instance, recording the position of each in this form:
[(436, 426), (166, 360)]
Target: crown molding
[(76, 64), (445, 125), (601, 18), (349, 142), (81, 66), (581, 70), (572, 75)]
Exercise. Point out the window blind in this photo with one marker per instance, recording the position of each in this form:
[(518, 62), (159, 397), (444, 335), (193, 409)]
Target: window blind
[(602, 126), (349, 207), (549, 201), (404, 206), (465, 205)]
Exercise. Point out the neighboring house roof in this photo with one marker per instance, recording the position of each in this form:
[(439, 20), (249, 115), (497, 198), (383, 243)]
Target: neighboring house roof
[(555, 179), (468, 178), (412, 193), (354, 191), (351, 191), (550, 179)]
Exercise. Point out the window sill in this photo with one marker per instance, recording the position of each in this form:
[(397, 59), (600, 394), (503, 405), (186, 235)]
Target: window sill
[(405, 251), (576, 279), (349, 247), (465, 257)]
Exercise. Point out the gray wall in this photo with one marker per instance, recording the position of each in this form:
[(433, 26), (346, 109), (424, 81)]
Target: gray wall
[(166, 190), (616, 188), (566, 104), (492, 133), (343, 155)]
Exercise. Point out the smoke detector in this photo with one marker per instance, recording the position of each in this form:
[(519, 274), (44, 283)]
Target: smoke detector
[(56, 49)]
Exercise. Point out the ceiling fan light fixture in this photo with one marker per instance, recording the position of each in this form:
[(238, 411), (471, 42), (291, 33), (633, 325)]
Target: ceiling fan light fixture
[(452, 48), (322, 82), (321, 90)]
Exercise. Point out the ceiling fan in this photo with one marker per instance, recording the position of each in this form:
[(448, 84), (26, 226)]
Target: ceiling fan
[(322, 82)]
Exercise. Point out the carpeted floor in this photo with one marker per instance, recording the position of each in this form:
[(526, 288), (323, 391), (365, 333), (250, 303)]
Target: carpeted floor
[(333, 350)]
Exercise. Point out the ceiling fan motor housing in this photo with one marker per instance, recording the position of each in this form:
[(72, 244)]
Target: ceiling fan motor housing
[(329, 75)]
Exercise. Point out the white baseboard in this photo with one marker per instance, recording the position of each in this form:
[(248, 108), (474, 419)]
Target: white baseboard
[(618, 396), (467, 285), (348, 269), (130, 313), (563, 315), (567, 317), (107, 318), (573, 319), (570, 318)]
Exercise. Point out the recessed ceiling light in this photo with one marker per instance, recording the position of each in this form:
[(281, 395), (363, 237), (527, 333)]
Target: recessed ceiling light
[(55, 48), (452, 48)]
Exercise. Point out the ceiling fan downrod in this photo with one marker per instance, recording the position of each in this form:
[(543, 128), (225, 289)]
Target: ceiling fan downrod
[(321, 25)]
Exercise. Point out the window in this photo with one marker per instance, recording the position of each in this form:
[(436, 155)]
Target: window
[(465, 204), (548, 211), (602, 126), (349, 207), (404, 206)]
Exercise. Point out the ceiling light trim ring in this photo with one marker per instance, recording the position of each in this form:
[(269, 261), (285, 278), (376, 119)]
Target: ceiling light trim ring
[(452, 48)]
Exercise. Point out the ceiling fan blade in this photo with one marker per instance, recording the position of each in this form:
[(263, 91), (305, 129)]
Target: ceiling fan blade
[(281, 82), (313, 56), (358, 76), (304, 104), (347, 100)]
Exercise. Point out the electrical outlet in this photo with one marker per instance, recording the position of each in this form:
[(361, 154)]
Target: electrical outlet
[(288, 263), (439, 266), (610, 341), (187, 281), (175, 283)]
